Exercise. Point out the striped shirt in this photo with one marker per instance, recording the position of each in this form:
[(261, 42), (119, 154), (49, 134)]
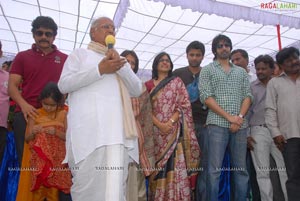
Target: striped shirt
[(228, 89)]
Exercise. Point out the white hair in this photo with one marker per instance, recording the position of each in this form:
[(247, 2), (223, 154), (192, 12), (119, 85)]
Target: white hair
[(95, 23)]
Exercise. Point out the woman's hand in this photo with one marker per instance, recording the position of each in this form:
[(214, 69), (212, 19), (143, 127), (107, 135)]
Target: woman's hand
[(165, 127)]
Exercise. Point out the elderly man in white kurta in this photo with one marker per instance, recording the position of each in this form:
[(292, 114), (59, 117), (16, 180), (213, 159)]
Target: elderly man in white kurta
[(97, 143)]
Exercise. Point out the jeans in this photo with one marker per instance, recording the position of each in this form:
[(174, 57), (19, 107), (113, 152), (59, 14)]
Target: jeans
[(262, 149), (218, 140), (201, 133), (291, 155)]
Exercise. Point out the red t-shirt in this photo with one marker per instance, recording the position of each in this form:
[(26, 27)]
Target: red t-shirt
[(37, 69)]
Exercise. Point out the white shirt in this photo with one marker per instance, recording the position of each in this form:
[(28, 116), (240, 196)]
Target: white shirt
[(252, 76), (95, 105)]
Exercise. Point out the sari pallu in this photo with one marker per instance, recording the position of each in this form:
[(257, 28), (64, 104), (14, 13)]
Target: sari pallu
[(137, 172), (142, 108), (177, 153)]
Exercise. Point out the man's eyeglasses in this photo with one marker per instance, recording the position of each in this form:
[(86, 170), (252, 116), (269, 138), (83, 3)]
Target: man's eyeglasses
[(108, 26), (166, 60), (223, 45), (48, 34)]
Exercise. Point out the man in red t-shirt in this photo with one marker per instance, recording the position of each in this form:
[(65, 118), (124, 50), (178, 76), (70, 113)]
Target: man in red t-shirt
[(32, 70)]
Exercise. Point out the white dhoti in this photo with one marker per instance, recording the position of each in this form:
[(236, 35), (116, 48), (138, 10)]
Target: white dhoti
[(101, 176)]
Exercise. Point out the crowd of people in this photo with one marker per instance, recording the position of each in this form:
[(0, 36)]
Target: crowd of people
[(85, 127)]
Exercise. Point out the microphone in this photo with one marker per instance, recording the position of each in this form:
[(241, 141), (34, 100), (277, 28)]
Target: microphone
[(110, 41)]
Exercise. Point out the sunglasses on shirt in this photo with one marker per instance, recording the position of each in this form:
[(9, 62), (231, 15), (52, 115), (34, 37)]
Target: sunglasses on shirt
[(48, 34)]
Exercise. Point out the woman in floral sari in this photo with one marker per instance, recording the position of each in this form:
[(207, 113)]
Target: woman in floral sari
[(176, 150)]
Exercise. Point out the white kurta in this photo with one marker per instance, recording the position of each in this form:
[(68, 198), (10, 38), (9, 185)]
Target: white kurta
[(95, 105)]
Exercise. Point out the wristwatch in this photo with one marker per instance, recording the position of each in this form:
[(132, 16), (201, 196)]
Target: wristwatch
[(242, 116)]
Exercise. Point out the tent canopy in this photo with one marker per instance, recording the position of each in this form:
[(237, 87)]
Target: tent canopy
[(149, 27)]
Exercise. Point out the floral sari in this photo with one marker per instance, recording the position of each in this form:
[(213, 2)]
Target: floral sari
[(177, 153)]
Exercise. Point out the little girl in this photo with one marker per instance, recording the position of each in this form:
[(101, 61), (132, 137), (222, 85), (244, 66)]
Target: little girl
[(46, 137)]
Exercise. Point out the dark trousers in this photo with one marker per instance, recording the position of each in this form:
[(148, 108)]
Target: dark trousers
[(291, 155), (275, 180), (201, 134), (19, 128), (252, 184), (3, 132), (64, 197)]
